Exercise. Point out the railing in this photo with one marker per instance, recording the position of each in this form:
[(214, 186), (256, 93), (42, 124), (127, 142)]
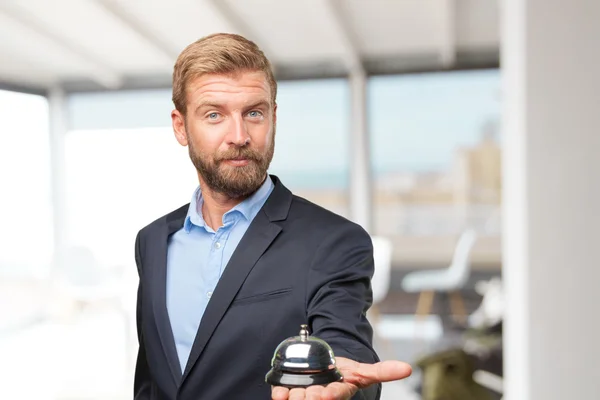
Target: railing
[(429, 219), (434, 220)]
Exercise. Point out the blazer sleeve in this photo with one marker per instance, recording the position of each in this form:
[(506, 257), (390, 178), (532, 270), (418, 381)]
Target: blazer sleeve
[(142, 386), (339, 295)]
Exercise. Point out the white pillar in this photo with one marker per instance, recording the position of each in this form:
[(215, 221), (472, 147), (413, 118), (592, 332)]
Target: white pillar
[(360, 155), (58, 130), (551, 89)]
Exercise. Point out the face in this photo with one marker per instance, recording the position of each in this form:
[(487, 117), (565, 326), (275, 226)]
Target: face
[(229, 130)]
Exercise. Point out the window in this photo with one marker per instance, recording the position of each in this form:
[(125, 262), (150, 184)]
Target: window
[(436, 160), (125, 170), (311, 145)]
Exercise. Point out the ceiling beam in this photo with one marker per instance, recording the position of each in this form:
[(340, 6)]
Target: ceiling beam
[(98, 70), (18, 73), (116, 9), (448, 33), (351, 55), (21, 88), (374, 66)]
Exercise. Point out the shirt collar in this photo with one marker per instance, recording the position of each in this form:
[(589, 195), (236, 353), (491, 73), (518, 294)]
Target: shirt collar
[(247, 208)]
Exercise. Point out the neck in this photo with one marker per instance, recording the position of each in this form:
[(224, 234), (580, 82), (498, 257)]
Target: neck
[(215, 205)]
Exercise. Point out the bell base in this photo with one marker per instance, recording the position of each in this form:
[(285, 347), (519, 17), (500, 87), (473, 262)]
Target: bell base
[(302, 380)]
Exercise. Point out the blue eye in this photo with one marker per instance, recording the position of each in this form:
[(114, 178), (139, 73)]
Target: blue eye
[(213, 115), (254, 114)]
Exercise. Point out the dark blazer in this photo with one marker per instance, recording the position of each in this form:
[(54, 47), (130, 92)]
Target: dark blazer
[(297, 263)]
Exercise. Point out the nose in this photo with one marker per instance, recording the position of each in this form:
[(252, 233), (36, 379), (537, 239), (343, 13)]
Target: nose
[(238, 134)]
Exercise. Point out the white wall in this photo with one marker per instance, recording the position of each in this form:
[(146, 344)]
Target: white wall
[(551, 62)]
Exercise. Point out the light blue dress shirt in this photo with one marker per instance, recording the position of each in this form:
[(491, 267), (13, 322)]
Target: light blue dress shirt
[(197, 256)]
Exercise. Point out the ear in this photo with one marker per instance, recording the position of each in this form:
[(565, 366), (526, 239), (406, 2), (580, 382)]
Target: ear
[(275, 115), (178, 121)]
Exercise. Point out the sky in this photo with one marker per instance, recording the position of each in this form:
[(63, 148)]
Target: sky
[(415, 122)]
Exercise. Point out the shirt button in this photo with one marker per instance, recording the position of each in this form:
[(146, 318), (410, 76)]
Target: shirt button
[(209, 294), (218, 245)]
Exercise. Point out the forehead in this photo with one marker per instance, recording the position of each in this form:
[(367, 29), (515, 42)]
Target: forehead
[(239, 87)]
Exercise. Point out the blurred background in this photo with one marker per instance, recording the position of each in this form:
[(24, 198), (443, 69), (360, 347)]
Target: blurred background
[(396, 114)]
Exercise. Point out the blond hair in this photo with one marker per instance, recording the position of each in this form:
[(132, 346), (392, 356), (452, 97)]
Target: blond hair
[(220, 53)]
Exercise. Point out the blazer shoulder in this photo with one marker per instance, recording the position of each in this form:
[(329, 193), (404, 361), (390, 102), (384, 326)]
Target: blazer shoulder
[(179, 213), (323, 219)]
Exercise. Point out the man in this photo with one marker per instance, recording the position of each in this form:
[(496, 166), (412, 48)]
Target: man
[(227, 277)]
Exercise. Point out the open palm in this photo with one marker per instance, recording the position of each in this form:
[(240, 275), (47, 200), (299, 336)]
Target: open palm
[(356, 376)]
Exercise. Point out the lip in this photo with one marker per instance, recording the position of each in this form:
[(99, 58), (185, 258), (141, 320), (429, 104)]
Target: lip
[(238, 162)]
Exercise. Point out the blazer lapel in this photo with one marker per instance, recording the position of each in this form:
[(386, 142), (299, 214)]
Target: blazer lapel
[(259, 236), (159, 301)]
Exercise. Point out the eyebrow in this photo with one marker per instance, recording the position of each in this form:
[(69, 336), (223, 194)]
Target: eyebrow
[(211, 104), (208, 104), (260, 103)]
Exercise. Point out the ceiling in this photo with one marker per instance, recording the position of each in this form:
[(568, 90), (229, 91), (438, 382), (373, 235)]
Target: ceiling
[(85, 45)]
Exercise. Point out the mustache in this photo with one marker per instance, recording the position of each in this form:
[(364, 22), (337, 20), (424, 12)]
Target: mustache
[(238, 153)]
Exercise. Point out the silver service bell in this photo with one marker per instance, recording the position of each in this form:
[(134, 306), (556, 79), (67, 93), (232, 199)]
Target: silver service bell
[(303, 361)]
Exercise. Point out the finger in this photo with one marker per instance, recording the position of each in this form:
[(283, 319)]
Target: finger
[(297, 394), (338, 391), (314, 392), (368, 374), (279, 393)]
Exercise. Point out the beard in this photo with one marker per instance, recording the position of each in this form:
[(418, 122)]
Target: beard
[(233, 181)]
